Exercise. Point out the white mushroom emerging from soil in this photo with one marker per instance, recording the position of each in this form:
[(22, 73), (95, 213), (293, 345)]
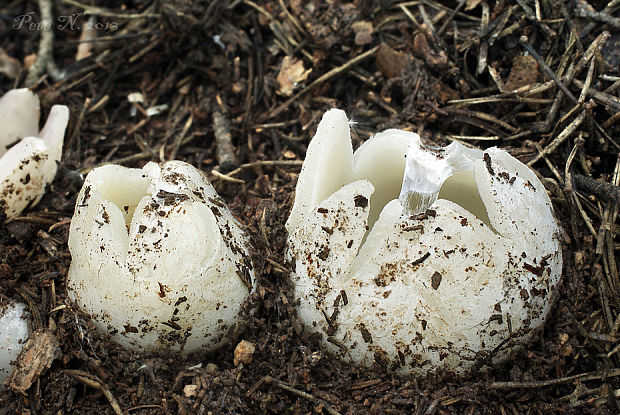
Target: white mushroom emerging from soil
[(420, 258), (28, 157), (13, 335), (158, 260)]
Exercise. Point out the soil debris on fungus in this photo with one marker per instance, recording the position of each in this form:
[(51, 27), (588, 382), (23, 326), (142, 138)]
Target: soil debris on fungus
[(410, 185), (134, 280), (28, 156), (444, 70)]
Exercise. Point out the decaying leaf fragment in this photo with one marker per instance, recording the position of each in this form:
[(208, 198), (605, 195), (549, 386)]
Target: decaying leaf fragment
[(292, 72), (40, 351)]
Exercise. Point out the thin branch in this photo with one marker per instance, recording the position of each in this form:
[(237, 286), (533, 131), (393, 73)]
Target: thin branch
[(266, 163), (543, 383), (94, 382), (107, 13), (584, 9), (305, 395), (326, 77), (603, 190), (45, 58), (546, 68)]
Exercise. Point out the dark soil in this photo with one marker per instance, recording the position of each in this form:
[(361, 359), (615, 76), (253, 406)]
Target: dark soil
[(443, 69)]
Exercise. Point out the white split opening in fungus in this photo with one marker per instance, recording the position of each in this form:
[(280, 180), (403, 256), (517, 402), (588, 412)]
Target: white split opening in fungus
[(28, 157), (419, 258), (158, 260), (13, 335)]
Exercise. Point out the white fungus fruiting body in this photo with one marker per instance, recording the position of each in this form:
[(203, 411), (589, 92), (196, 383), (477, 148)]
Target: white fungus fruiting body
[(28, 157), (420, 258), (13, 335), (158, 260)]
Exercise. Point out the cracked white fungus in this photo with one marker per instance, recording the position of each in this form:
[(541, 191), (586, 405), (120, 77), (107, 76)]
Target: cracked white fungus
[(13, 335), (419, 258), (28, 157), (158, 260)]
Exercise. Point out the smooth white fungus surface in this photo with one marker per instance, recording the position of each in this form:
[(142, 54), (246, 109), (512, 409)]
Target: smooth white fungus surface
[(13, 336), (28, 157), (417, 258), (158, 260)]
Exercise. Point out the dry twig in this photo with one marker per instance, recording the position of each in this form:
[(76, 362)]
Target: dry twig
[(225, 152), (603, 374), (324, 78), (94, 382), (305, 395), (603, 190), (45, 59)]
